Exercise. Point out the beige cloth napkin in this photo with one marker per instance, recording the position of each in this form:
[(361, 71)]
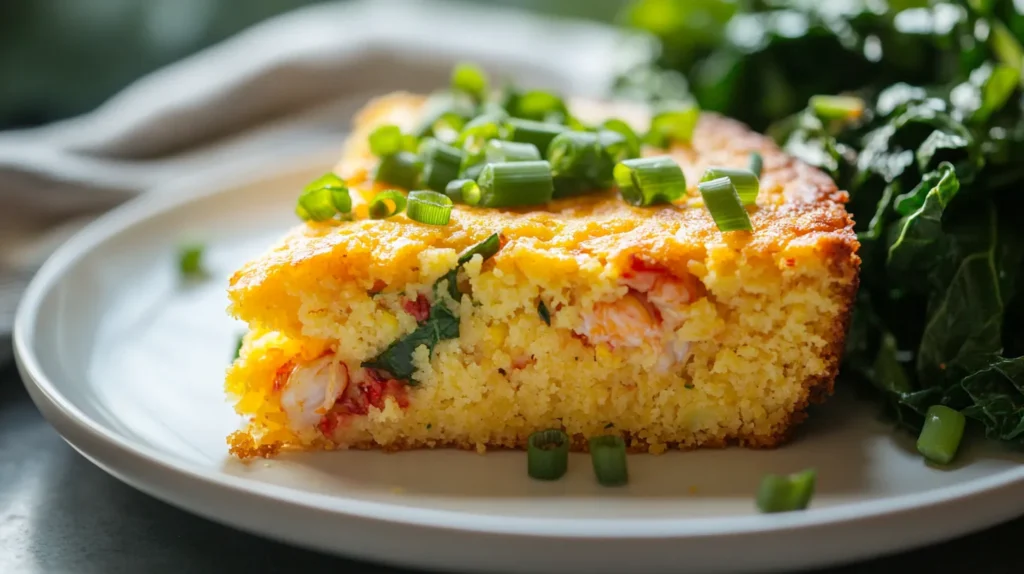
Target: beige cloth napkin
[(283, 88)]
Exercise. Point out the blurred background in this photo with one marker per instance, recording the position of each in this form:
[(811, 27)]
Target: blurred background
[(60, 58)]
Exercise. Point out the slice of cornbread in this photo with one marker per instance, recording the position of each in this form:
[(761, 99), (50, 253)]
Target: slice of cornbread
[(592, 314)]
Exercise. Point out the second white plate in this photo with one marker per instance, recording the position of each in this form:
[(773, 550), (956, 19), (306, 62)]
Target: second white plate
[(127, 363)]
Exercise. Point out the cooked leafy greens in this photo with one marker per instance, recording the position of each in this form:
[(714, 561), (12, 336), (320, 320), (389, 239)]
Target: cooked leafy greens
[(441, 323), (932, 167)]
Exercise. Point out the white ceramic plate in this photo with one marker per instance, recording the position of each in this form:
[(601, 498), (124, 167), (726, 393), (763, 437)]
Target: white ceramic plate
[(127, 364)]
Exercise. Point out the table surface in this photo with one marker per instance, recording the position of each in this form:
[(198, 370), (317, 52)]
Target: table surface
[(59, 513)]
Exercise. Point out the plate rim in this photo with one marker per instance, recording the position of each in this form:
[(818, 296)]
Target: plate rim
[(178, 194)]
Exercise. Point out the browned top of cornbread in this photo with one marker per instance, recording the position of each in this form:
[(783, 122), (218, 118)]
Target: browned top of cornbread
[(800, 213)]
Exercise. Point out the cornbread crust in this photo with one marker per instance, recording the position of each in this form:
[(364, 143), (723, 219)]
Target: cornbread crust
[(800, 208)]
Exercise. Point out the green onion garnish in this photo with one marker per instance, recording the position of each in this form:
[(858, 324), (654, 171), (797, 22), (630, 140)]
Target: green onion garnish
[(537, 133), (238, 345), (723, 202), (538, 105), (746, 183), (444, 115), (941, 434), (622, 128), (386, 140), (324, 198), (429, 207), (499, 151), (547, 454), (608, 454), (441, 163), (456, 187), (190, 260), (471, 79), (650, 180), (512, 184), (786, 493), (401, 170), (386, 204), (579, 162), (473, 141), (673, 122), (836, 107), (756, 164)]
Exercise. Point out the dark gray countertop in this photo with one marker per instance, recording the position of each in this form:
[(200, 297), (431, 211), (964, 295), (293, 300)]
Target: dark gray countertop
[(59, 513)]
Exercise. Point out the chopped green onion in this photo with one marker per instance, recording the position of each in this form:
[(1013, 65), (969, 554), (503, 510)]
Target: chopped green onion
[(190, 260), (542, 310), (836, 107), (786, 493), (444, 115), (579, 162), (441, 163), (512, 184), (498, 151), (608, 455), (536, 133), (324, 198), (401, 170), (473, 141), (486, 249), (941, 434), (650, 180), (724, 203), (238, 345), (477, 131), (746, 183), (386, 140), (547, 454), (471, 79), (756, 164), (621, 127), (456, 187), (429, 207), (673, 122), (386, 204), (538, 105), (616, 147)]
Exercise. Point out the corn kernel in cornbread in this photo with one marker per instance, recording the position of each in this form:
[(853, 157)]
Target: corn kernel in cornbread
[(592, 314)]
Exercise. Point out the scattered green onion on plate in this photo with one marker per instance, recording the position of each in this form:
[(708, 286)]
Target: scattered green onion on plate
[(940, 437), (190, 260), (608, 455), (723, 201), (429, 207), (387, 204), (744, 180), (650, 180), (512, 184), (779, 493), (547, 454)]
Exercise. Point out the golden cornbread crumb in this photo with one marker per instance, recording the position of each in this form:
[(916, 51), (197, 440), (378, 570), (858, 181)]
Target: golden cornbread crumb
[(758, 340)]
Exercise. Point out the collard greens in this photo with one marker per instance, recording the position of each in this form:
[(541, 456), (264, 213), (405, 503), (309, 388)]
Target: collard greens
[(934, 167)]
